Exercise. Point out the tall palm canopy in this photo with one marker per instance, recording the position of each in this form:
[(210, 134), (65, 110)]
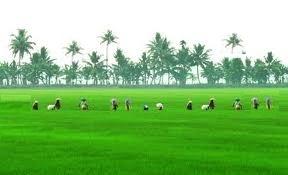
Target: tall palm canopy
[(108, 38), (94, 57), (201, 57), (21, 44), (233, 41), (45, 56), (159, 61), (182, 43), (73, 49), (271, 63), (161, 53)]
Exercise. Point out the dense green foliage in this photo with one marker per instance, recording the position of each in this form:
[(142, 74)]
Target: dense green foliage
[(169, 142), (160, 64)]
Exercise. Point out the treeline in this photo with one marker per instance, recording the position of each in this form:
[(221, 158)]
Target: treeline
[(160, 64)]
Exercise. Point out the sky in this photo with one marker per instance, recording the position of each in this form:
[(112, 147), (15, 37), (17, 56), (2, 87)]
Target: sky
[(261, 24)]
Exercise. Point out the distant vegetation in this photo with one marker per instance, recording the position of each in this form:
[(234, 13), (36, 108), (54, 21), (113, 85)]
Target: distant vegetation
[(160, 64)]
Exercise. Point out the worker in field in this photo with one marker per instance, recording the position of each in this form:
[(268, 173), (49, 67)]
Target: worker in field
[(114, 104), (145, 107), (35, 105), (237, 104), (127, 104), (83, 104), (189, 105), (255, 103), (160, 106), (55, 106), (268, 103), (211, 103)]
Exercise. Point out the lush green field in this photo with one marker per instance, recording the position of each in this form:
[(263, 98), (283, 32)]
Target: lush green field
[(169, 142)]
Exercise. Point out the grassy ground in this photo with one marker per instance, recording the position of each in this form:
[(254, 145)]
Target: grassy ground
[(169, 142)]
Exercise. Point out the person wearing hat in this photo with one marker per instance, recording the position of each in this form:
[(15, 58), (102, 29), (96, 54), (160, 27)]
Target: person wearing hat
[(83, 104), (35, 105), (159, 106), (255, 103), (189, 105), (114, 104), (237, 104), (268, 103), (57, 104), (127, 104), (211, 103), (146, 107)]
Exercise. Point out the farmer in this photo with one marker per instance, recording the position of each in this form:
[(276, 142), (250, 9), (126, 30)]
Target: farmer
[(128, 104), (205, 107), (35, 105), (83, 104), (237, 104), (55, 106), (189, 105), (114, 104), (211, 103), (268, 103), (159, 106), (146, 107), (255, 103)]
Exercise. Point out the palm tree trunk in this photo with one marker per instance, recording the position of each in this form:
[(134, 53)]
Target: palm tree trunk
[(168, 78), (107, 54), (198, 75), (19, 74), (107, 49)]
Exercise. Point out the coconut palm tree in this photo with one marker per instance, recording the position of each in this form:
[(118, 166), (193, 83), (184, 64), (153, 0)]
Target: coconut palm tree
[(212, 73), (237, 70), (270, 61), (108, 38), (122, 66), (233, 41), (201, 58), (48, 67), (248, 71), (182, 66), (4, 73), (95, 65), (71, 73), (13, 72), (278, 71), (183, 43), (86, 73), (46, 59), (154, 52), (226, 69), (51, 70), (57, 73), (73, 49), (260, 72), (144, 64), (161, 54), (21, 44)]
